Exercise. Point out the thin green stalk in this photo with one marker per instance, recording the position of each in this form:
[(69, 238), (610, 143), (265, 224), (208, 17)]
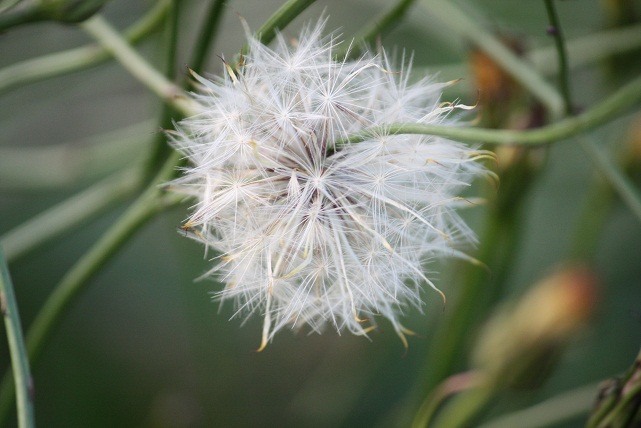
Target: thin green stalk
[(59, 63), (160, 150), (68, 214), (19, 360), (206, 37), (5, 5), (612, 173), (469, 29), (559, 41), (207, 34), (279, 20), (27, 15), (553, 411), (453, 385), (75, 281), (614, 106), (465, 407), (44, 168), (379, 27), (170, 93)]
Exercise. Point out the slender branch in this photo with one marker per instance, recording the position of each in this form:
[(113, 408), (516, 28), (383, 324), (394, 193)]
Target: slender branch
[(379, 27), (27, 15), (612, 107), (559, 41), (108, 37), (59, 63), (458, 22), (207, 34), (67, 215), (19, 360), (206, 37), (552, 411), (70, 163), (279, 20), (612, 173), (75, 281)]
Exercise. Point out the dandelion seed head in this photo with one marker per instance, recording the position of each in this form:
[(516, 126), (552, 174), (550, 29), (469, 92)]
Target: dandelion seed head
[(308, 233)]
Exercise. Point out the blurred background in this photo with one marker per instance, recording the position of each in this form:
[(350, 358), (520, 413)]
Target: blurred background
[(144, 346)]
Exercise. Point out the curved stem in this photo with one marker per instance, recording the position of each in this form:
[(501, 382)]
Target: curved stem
[(26, 15), (206, 37), (621, 184), (19, 360), (108, 37), (56, 64), (472, 32), (559, 41), (75, 281), (378, 28), (550, 412), (67, 215), (279, 20), (610, 108)]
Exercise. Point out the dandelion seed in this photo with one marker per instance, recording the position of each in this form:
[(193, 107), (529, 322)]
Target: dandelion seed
[(308, 234)]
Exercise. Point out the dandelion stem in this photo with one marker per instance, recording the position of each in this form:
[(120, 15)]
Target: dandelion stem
[(206, 37), (74, 282), (59, 63), (466, 27), (614, 106), (550, 412), (68, 214), (279, 20), (27, 15), (108, 37), (612, 173), (378, 28), (19, 360), (208, 33), (559, 42)]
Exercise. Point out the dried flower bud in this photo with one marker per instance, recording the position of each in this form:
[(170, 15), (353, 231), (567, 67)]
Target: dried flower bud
[(519, 344)]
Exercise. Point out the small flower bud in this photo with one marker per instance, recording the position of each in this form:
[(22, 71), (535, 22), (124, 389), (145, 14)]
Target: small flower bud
[(521, 342)]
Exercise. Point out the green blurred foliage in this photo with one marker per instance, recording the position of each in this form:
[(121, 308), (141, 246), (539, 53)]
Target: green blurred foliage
[(146, 347)]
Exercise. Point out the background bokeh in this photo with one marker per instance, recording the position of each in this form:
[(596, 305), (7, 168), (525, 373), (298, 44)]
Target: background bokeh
[(144, 346)]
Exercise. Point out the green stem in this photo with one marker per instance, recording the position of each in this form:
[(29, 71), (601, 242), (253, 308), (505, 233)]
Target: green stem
[(52, 65), (279, 20), (379, 27), (207, 34), (44, 168), (550, 412), (612, 107), (108, 37), (559, 41), (621, 184), (206, 37), (160, 150), (465, 407), (469, 29), (75, 281), (32, 13), (19, 360), (67, 215), (612, 173)]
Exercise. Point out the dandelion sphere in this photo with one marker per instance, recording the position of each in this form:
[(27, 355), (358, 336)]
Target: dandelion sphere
[(308, 232)]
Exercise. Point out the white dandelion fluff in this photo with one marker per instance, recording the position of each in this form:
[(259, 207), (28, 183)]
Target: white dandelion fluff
[(305, 232)]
